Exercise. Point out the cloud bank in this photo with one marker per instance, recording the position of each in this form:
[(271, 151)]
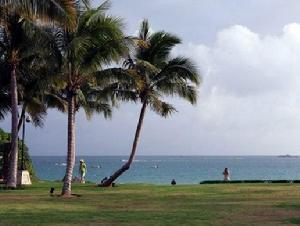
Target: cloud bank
[(249, 104), (250, 96)]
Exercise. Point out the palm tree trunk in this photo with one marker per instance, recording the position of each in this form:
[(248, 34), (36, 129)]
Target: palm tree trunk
[(127, 165), (66, 190), (13, 154)]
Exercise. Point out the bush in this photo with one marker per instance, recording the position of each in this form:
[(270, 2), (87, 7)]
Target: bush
[(4, 148)]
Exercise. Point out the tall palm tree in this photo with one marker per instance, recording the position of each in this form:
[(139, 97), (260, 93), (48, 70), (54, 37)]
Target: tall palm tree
[(15, 23), (97, 40), (19, 39), (15, 39), (35, 88), (149, 76)]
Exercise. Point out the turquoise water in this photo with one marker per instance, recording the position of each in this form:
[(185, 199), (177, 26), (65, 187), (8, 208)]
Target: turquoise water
[(185, 169)]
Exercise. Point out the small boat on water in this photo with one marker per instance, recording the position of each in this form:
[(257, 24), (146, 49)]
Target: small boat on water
[(96, 166)]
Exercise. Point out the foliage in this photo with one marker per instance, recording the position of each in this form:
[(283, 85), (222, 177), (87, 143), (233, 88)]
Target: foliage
[(36, 65), (4, 137), (49, 11), (4, 143), (153, 73), (97, 41)]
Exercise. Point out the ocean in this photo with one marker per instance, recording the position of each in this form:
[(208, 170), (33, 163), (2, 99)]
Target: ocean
[(184, 169)]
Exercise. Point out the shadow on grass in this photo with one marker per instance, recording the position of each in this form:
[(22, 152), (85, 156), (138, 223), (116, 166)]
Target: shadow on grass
[(108, 217), (290, 206), (293, 221), (45, 216)]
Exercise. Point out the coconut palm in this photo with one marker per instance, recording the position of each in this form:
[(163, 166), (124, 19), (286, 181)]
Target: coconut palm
[(15, 39), (151, 75), (97, 41), (16, 24), (36, 90), (35, 87), (21, 58)]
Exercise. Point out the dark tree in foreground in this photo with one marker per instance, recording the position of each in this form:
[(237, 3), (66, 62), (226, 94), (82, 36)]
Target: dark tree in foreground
[(18, 42)]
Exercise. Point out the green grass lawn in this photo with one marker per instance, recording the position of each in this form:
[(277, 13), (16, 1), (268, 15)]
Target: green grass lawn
[(227, 204)]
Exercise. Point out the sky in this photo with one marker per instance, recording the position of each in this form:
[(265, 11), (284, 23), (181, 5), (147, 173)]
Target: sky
[(248, 53)]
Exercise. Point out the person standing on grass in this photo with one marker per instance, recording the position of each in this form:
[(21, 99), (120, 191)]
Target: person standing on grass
[(226, 174), (82, 171)]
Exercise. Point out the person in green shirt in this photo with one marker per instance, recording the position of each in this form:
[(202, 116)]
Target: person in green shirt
[(82, 171)]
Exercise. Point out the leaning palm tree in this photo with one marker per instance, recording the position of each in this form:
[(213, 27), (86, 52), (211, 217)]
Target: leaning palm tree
[(97, 41), (149, 76)]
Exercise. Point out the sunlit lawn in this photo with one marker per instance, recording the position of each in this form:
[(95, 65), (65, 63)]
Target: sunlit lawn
[(229, 204)]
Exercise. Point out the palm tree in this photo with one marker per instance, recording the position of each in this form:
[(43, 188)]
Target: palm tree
[(19, 38), (49, 11), (149, 76), (14, 40), (97, 40), (15, 17), (35, 88)]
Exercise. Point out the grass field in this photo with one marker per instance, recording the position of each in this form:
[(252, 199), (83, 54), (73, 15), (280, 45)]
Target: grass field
[(228, 204)]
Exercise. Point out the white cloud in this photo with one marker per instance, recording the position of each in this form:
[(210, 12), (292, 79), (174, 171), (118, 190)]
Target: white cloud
[(250, 94)]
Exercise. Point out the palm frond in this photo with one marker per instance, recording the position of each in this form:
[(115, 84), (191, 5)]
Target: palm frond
[(160, 46), (95, 15), (178, 68), (97, 107), (180, 89), (144, 32), (55, 101), (63, 11), (160, 107), (37, 110), (109, 43), (4, 103)]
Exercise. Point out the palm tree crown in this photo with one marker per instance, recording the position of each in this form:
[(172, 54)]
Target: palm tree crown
[(49, 11)]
